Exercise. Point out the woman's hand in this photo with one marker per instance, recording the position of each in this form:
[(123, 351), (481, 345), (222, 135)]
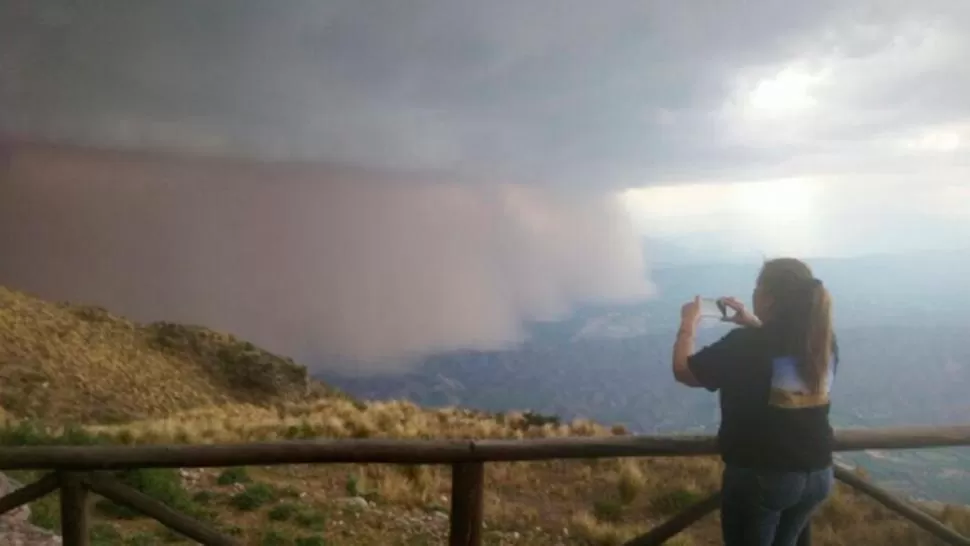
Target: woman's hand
[(690, 312), (742, 316)]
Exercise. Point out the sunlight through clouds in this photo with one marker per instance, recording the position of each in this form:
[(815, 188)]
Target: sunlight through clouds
[(943, 138), (787, 93), (769, 216), (806, 216)]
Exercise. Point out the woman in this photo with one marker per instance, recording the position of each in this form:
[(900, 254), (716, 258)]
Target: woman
[(774, 376)]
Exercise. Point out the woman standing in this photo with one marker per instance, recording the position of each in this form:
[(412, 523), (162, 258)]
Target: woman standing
[(774, 376)]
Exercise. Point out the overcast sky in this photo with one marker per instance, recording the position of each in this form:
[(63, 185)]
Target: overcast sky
[(812, 128), (605, 94)]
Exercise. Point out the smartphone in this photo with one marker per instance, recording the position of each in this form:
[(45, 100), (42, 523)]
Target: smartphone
[(714, 308)]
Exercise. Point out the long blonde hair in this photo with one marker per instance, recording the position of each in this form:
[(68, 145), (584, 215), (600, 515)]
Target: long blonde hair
[(802, 314)]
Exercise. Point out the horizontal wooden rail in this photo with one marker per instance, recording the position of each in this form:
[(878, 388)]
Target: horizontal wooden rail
[(78, 458), (77, 471)]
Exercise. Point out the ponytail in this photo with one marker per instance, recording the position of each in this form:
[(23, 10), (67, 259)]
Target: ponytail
[(814, 365), (801, 317)]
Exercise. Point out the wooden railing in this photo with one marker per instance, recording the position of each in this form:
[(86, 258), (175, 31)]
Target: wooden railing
[(80, 470)]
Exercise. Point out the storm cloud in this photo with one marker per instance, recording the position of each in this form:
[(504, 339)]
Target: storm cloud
[(552, 92), (402, 177)]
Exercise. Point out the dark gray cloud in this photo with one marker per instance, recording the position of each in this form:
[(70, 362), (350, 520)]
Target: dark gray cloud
[(564, 92)]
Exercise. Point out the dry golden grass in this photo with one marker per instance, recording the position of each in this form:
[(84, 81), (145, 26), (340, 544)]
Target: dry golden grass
[(84, 365), (602, 502)]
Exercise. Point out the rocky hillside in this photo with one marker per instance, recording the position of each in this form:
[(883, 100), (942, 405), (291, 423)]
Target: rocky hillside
[(82, 364)]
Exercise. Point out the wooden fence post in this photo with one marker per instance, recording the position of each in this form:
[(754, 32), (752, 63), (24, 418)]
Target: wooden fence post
[(467, 504), (74, 510)]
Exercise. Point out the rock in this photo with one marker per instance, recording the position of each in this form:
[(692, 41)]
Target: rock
[(14, 528), (24, 534), (19, 514), (356, 502)]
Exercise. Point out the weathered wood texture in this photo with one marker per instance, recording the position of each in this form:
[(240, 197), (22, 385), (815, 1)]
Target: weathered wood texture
[(78, 458), (467, 504), (74, 510), (903, 508), (29, 493)]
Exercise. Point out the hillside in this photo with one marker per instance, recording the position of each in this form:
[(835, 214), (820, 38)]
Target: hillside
[(83, 364), (130, 384)]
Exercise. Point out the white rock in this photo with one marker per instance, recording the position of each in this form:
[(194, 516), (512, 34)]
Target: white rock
[(356, 502)]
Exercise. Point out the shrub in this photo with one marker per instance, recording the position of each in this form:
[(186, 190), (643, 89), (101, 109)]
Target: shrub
[(310, 519), (283, 512), (675, 501), (608, 511), (631, 481), (162, 484), (204, 497), (103, 534), (352, 486), (253, 497), (536, 419), (233, 475), (273, 538), (29, 433)]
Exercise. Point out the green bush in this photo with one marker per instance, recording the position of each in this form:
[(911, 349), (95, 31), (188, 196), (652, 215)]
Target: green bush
[(46, 513), (233, 475), (103, 534), (162, 484), (536, 419), (204, 497), (608, 511), (310, 541), (674, 501), (352, 486), (30, 433), (310, 519), (283, 512), (253, 497), (274, 538)]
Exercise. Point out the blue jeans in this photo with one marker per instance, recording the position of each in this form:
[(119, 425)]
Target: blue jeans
[(770, 508)]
